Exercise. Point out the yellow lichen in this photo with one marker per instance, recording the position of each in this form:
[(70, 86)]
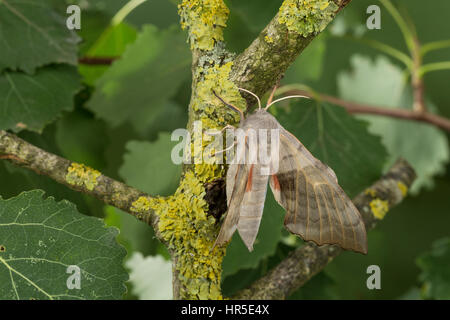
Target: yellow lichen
[(208, 172), (379, 208), (371, 192), (205, 20), (141, 205), (268, 39), (190, 231), (217, 78), (81, 175), (213, 114), (307, 17), (403, 188)]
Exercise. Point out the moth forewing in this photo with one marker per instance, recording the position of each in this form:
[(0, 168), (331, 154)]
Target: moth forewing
[(317, 209), (252, 206), (238, 177), (268, 151)]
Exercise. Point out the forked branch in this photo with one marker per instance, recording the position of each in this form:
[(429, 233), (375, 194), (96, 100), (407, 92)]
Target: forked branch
[(267, 58)]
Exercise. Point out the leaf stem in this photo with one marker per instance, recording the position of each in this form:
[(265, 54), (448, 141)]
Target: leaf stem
[(391, 51), (404, 28), (436, 45), (437, 66), (125, 11)]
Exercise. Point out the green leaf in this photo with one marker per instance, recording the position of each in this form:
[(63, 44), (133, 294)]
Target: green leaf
[(134, 235), (168, 117), (151, 277), (31, 102), (33, 35), (41, 238), (161, 13), (381, 83), (351, 21), (111, 44), (269, 235), (309, 65), (148, 166), (436, 271), (94, 24), (148, 74), (256, 13), (339, 140), (81, 138)]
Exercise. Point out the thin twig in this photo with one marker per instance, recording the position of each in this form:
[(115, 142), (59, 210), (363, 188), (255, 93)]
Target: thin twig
[(106, 61), (110, 191), (359, 108)]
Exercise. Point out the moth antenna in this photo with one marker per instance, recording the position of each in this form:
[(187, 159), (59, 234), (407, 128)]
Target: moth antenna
[(272, 94), (284, 98), (230, 105), (226, 149), (257, 98)]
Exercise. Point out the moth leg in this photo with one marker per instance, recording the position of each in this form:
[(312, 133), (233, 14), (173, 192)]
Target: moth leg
[(230, 147), (228, 126)]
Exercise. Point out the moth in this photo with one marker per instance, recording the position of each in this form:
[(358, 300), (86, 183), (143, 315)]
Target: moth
[(317, 209)]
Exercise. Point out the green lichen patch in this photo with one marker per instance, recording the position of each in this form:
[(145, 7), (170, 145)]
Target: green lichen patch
[(207, 154), (81, 175), (206, 103), (141, 207), (205, 20), (213, 114), (307, 17), (190, 232), (142, 204)]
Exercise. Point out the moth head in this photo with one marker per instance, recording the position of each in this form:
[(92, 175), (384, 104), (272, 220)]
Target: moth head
[(269, 102)]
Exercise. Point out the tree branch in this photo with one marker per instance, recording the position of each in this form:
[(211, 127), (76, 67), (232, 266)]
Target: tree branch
[(262, 64), (305, 262), (77, 177), (353, 107), (213, 68), (102, 61)]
